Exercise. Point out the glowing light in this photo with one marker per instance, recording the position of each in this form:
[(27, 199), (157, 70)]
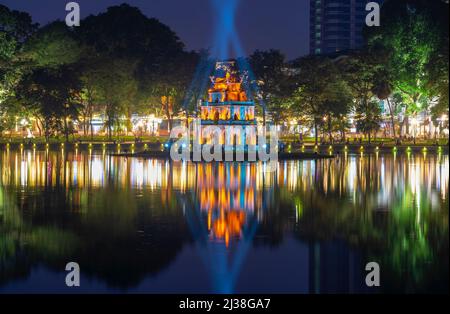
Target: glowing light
[(97, 174)]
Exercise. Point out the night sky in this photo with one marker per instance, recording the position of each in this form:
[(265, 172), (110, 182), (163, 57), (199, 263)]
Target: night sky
[(261, 24)]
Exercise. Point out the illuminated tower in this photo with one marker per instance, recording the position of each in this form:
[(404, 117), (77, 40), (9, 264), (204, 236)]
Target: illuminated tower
[(228, 104)]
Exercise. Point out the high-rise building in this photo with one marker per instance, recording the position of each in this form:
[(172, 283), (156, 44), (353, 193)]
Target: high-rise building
[(336, 25)]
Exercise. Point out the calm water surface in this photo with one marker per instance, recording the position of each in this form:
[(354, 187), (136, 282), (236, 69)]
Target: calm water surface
[(137, 225)]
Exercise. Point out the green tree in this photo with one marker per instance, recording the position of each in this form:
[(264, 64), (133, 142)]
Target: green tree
[(124, 31), (437, 67), (10, 111), (321, 95), (113, 87), (153, 52), (47, 85), (361, 70), (89, 94), (337, 103), (52, 94), (410, 34), (53, 45), (169, 85), (383, 87), (271, 78), (368, 117), (15, 29)]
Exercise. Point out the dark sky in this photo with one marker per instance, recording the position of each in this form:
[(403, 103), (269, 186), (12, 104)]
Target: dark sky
[(261, 24)]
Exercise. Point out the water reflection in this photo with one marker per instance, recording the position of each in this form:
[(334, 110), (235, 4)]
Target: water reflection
[(127, 220)]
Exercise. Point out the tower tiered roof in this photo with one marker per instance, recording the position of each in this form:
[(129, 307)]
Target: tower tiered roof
[(227, 100)]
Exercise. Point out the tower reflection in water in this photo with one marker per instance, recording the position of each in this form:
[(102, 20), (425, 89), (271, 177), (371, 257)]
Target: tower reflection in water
[(142, 213), (223, 212), (227, 194)]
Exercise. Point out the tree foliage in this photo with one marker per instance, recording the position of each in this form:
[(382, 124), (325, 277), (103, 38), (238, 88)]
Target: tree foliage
[(321, 95), (52, 95), (272, 81), (415, 35)]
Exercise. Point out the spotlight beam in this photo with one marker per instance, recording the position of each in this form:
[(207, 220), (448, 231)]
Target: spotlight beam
[(225, 39)]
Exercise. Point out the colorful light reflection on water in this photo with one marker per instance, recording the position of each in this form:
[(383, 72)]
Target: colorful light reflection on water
[(128, 221)]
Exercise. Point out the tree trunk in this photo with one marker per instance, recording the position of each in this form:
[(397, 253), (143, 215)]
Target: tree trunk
[(315, 131), (392, 117), (109, 128), (329, 130), (66, 130), (264, 117), (91, 126), (343, 135), (85, 125), (46, 132), (38, 127), (406, 121), (128, 126), (169, 117)]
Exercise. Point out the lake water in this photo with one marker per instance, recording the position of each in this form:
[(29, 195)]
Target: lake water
[(153, 226)]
